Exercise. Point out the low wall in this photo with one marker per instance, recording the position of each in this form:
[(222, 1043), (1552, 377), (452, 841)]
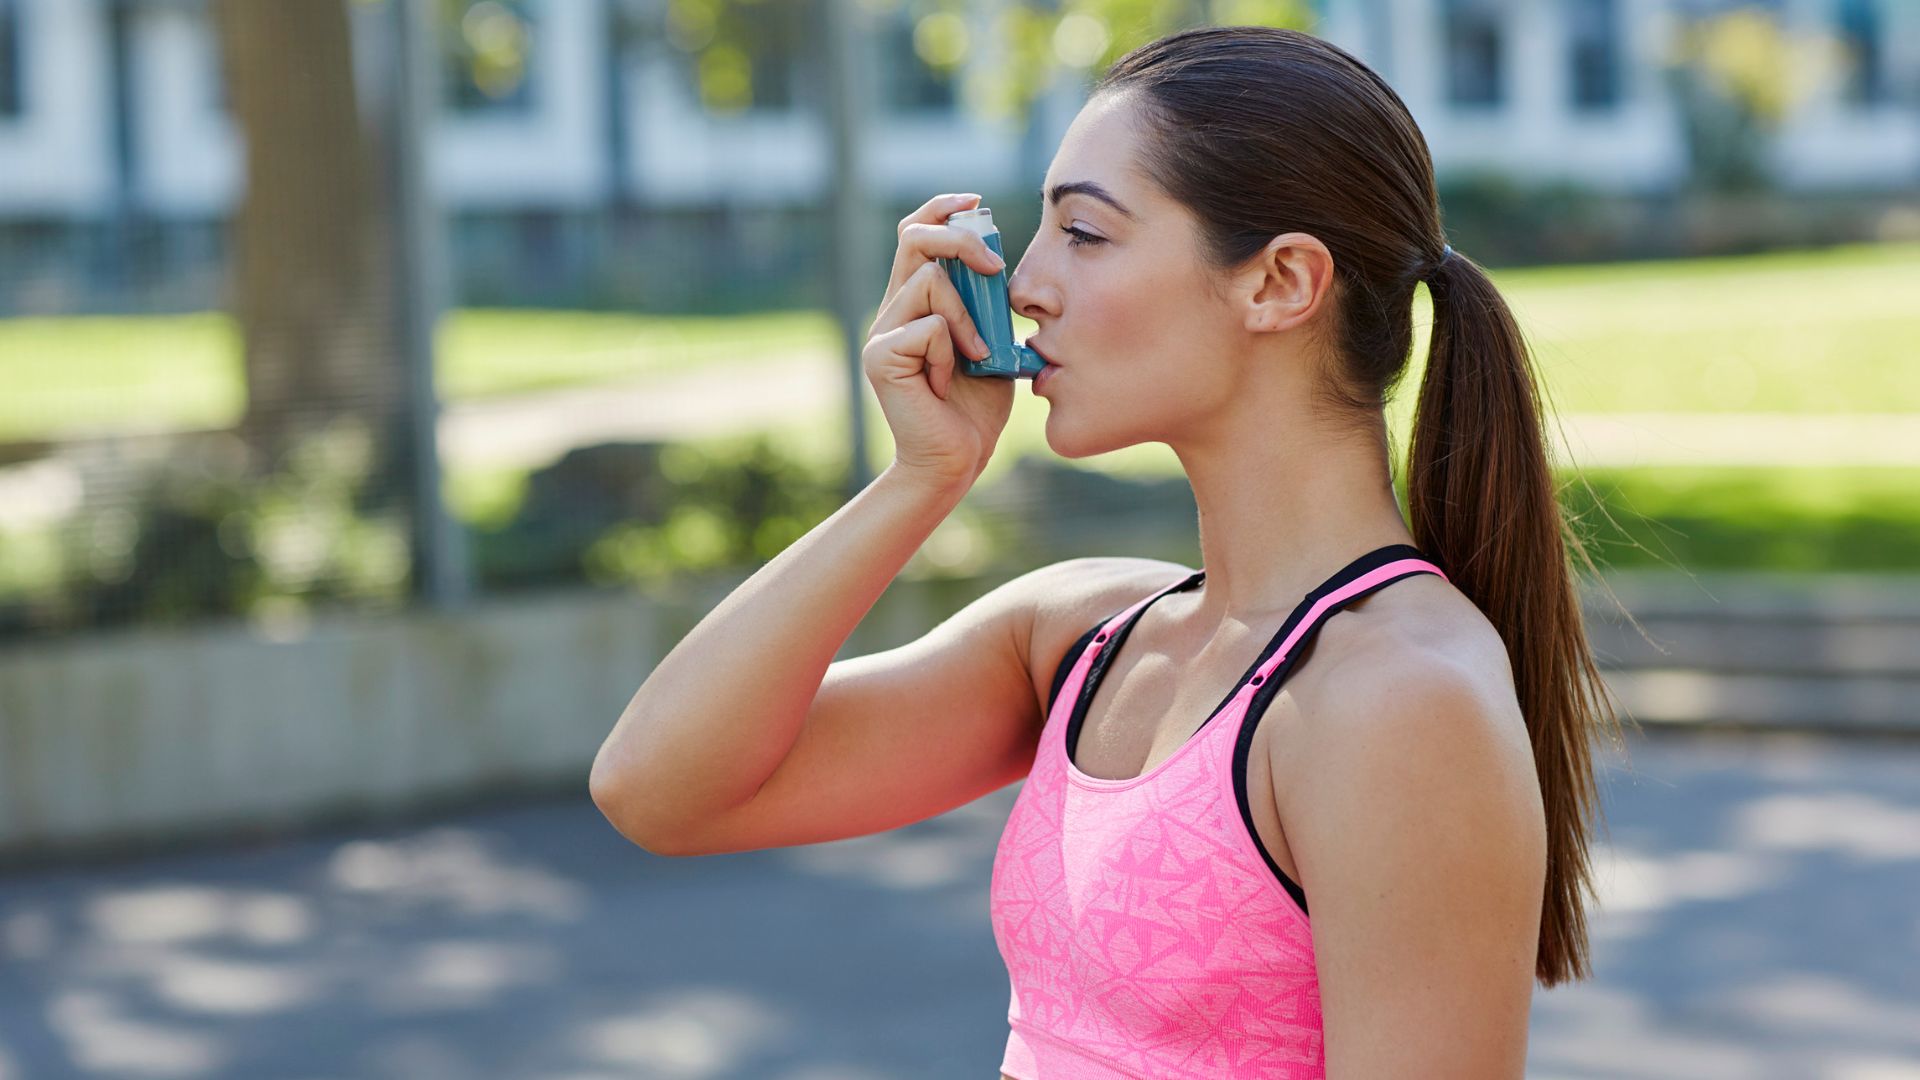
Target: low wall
[(130, 737), (114, 739)]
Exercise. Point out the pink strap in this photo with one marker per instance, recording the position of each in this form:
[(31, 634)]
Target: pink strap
[(1357, 585)]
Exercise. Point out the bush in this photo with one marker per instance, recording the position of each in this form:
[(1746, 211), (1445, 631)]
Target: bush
[(1497, 219), (202, 534), (640, 513)]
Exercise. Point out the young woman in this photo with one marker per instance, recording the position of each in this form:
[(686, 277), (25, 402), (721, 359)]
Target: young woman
[(1232, 232)]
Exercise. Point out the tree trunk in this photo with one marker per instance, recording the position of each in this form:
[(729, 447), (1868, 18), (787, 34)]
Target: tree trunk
[(312, 288)]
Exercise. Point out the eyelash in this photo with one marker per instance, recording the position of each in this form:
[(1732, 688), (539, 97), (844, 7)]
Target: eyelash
[(1076, 237)]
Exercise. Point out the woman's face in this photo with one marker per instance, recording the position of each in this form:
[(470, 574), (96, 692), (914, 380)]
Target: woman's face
[(1125, 305)]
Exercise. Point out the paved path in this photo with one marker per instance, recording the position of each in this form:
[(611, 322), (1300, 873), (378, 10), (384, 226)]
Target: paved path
[(532, 429), (529, 430), (1759, 922), (539, 427)]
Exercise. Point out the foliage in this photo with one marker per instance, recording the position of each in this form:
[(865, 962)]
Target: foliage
[(205, 541), (1737, 75), (204, 534), (1005, 56), (640, 513), (206, 538), (191, 535), (1502, 219), (487, 45)]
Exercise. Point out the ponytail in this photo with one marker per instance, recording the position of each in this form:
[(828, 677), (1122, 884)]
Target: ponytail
[(1481, 499)]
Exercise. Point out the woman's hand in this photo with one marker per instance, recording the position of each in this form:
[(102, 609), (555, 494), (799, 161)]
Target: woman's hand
[(945, 423)]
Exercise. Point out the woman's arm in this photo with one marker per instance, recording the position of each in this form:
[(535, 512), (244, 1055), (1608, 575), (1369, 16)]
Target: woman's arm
[(721, 711), (1423, 842), (719, 714)]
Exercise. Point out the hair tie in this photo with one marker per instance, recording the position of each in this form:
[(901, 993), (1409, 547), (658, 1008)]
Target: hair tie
[(1446, 252)]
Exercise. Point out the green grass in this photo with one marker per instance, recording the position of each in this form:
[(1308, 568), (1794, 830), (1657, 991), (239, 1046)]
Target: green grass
[(487, 352), (118, 373), (1796, 519), (169, 372), (1832, 331), (1829, 331)]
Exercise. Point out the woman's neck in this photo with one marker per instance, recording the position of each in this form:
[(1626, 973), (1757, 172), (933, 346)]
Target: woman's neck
[(1282, 510)]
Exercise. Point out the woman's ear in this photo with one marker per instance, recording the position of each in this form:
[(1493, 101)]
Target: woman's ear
[(1283, 284)]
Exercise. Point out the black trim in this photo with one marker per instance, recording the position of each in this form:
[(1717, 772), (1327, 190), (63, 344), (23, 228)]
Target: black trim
[(1359, 567), (1066, 663), (1105, 657), (1257, 706)]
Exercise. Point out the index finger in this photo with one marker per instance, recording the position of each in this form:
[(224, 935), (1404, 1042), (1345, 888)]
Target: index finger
[(935, 210)]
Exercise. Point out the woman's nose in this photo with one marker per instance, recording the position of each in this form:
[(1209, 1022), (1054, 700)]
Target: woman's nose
[(1023, 294)]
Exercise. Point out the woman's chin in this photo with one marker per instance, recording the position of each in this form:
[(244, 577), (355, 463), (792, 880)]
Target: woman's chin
[(1065, 445)]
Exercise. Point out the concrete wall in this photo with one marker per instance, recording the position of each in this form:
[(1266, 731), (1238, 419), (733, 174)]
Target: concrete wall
[(121, 738), (164, 734)]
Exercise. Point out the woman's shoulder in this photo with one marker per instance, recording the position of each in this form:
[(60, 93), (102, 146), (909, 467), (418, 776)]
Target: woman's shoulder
[(1421, 629), (1418, 649), (1070, 597)]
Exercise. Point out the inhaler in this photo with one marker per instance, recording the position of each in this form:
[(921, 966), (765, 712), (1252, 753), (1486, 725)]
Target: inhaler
[(986, 302)]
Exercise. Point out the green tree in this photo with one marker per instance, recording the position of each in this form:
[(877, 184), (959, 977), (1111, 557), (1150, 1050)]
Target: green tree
[(1005, 56), (1737, 75)]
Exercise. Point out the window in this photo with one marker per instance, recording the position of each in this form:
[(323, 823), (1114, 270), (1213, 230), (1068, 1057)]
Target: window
[(11, 97), (487, 53), (777, 38), (908, 82), (1474, 44), (773, 51), (749, 55), (1593, 53), (1858, 26)]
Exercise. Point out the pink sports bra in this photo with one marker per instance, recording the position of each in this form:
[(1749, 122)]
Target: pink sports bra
[(1147, 932)]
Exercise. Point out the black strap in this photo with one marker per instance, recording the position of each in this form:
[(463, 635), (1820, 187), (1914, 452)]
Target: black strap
[(1073, 651), (1358, 568), (1066, 663), (1106, 654), (1257, 706)]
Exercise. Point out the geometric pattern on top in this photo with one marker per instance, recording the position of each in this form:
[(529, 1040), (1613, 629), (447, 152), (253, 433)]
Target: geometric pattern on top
[(1143, 932)]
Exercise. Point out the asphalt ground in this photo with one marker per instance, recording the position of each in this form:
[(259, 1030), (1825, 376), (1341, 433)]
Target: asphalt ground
[(1759, 919)]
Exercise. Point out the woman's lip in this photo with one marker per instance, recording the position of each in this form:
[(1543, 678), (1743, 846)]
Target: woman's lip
[(1038, 351)]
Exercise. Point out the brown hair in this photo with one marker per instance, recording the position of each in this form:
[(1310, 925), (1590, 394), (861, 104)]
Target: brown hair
[(1260, 131)]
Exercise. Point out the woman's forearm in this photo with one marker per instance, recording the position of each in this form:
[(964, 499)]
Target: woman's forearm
[(719, 714)]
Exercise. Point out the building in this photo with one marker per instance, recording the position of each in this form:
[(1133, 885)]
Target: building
[(111, 111)]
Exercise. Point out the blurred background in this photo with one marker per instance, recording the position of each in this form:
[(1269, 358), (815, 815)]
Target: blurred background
[(386, 385)]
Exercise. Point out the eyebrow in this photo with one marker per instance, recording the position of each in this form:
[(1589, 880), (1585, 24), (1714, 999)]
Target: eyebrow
[(1086, 187)]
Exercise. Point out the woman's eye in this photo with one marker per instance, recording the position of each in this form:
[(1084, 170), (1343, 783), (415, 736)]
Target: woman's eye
[(1076, 237)]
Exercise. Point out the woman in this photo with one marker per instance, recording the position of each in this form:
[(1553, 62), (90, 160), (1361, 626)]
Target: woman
[(1232, 231)]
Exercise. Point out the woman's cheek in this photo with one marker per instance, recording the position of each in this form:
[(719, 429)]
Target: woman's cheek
[(1145, 317)]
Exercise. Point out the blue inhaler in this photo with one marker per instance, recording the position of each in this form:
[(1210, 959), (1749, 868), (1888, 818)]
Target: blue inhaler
[(986, 302)]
